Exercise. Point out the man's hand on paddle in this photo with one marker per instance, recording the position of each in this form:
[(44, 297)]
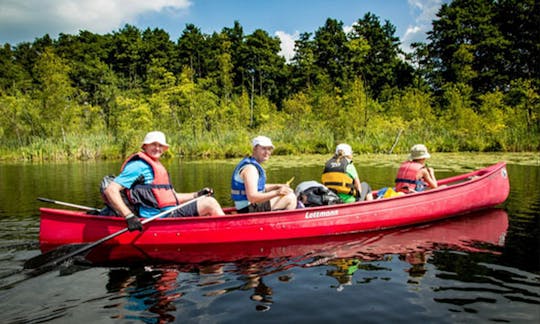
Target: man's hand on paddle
[(133, 223), (205, 192)]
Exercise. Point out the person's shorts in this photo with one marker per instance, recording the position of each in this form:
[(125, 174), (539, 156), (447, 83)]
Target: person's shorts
[(189, 210), (253, 208)]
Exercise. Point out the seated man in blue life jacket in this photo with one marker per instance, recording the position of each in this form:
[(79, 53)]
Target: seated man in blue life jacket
[(249, 189), (149, 189), (414, 175)]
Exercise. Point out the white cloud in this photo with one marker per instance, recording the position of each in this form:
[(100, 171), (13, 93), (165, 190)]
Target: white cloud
[(287, 44), (423, 12), (24, 20), (428, 9)]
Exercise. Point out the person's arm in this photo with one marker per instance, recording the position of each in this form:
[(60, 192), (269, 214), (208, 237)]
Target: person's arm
[(250, 175), (357, 186), (281, 188), (429, 177), (112, 192), (351, 171), (183, 197)]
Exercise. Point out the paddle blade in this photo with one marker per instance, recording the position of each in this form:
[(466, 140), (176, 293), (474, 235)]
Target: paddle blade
[(52, 255)]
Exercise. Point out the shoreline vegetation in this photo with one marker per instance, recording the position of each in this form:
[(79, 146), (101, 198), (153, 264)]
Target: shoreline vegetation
[(442, 161), (474, 86), (86, 149)]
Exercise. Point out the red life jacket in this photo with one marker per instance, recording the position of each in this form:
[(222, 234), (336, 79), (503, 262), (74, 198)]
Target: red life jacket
[(407, 177), (158, 194)]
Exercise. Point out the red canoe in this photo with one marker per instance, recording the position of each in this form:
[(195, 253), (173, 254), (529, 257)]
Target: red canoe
[(457, 195)]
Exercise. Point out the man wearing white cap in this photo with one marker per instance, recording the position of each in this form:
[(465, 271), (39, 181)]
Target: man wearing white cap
[(340, 175), (249, 189), (149, 189), (413, 175)]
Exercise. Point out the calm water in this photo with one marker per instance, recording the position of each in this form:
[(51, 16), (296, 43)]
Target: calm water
[(480, 268)]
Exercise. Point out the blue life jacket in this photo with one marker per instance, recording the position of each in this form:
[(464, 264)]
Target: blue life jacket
[(238, 188)]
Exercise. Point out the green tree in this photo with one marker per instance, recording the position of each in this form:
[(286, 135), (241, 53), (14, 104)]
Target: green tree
[(59, 109), (192, 51), (518, 22), (466, 36), (126, 56), (461, 122), (96, 82), (355, 114), (157, 50), (331, 51), (133, 117), (19, 115), (195, 109), (304, 70), (262, 67), (376, 55), (13, 76), (162, 86), (235, 36), (220, 78), (492, 110), (524, 117)]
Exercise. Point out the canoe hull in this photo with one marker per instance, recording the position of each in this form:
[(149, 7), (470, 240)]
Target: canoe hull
[(461, 194), (482, 231)]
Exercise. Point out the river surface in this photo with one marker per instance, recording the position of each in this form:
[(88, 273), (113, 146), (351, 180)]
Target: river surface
[(478, 268)]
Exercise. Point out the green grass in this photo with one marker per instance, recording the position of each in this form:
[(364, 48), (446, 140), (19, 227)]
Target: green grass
[(457, 162)]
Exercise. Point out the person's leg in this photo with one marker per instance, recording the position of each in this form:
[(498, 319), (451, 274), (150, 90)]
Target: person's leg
[(366, 192), (284, 202), (208, 206)]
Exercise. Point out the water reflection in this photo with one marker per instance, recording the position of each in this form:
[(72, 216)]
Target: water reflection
[(146, 289), (472, 269), (157, 290), (159, 278), (249, 274), (252, 274), (468, 281), (343, 270)]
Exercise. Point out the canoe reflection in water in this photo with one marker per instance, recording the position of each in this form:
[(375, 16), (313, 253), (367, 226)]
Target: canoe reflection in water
[(157, 289), (471, 232), (170, 270), (479, 232), (154, 290)]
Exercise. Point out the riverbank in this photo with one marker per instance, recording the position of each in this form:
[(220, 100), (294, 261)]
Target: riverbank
[(458, 161)]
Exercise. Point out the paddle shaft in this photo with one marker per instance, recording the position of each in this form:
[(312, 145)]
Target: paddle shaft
[(288, 183), (113, 235), (66, 204)]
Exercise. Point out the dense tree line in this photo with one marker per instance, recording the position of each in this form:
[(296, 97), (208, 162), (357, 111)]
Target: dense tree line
[(472, 86)]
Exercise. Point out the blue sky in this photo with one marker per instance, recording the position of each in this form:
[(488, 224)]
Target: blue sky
[(25, 20)]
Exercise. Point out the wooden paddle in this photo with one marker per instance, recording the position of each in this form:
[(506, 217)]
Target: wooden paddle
[(288, 183), (64, 252), (67, 204)]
